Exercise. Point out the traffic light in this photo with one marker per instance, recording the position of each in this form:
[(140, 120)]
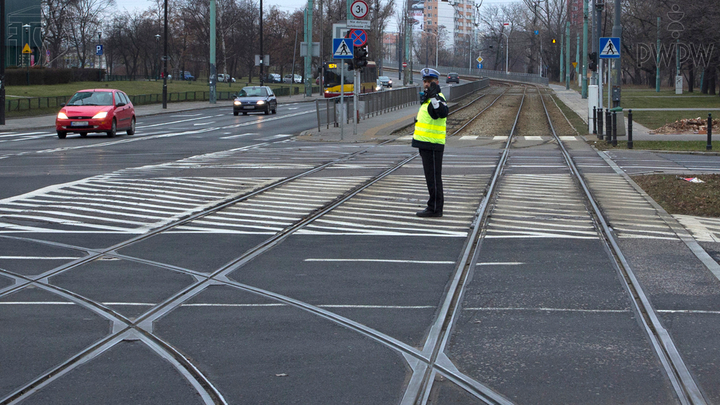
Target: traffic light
[(553, 40), (350, 64), (592, 63), (360, 57)]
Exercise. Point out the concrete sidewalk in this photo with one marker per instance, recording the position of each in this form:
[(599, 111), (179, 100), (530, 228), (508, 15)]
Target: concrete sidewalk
[(48, 121), (376, 128), (574, 101)]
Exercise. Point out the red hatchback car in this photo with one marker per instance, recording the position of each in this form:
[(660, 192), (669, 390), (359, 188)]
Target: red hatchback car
[(96, 110)]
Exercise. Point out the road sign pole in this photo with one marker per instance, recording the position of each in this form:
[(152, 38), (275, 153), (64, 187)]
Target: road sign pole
[(584, 91), (356, 89), (342, 99), (213, 72)]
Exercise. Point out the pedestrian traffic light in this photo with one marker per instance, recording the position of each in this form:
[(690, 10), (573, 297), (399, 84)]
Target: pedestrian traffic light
[(592, 64), (361, 57)]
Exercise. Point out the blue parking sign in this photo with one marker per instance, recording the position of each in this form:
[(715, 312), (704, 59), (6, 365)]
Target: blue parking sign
[(98, 50)]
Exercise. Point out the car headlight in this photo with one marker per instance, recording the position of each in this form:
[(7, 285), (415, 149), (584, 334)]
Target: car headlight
[(100, 115), (389, 81), (237, 102), (260, 102), (62, 116), (378, 88)]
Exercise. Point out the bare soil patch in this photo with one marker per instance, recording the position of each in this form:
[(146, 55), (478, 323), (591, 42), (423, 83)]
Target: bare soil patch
[(678, 196)]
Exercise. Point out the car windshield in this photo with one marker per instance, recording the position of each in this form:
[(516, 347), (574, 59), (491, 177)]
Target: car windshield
[(384, 78), (91, 98), (252, 92)]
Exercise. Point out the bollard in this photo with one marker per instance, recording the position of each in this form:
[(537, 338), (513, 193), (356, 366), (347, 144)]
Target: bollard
[(599, 124), (608, 125), (709, 132), (614, 127), (594, 120), (630, 141)]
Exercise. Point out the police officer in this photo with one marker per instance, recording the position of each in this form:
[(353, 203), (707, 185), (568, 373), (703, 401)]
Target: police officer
[(429, 138)]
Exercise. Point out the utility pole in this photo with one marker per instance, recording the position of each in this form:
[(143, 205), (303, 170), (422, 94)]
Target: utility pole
[(599, 6), (657, 60), (262, 50), (213, 71), (165, 58), (585, 51), (577, 61), (308, 57), (562, 53), (567, 55), (2, 62), (617, 82)]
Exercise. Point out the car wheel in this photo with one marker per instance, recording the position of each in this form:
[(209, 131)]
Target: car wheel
[(113, 130), (62, 134), (131, 130), (267, 110), (244, 112), (274, 110), (83, 134), (235, 113)]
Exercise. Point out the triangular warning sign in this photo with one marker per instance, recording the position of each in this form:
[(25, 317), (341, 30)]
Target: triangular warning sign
[(609, 49), (26, 49), (343, 50)]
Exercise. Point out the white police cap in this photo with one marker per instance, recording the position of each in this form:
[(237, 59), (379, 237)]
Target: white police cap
[(427, 72)]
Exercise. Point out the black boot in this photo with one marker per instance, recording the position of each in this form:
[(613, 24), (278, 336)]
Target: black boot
[(427, 213)]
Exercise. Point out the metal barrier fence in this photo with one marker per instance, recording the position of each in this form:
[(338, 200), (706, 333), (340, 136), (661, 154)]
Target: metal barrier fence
[(370, 104), (495, 74), (462, 90), (35, 103)]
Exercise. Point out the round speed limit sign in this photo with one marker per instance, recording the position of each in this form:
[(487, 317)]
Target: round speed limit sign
[(359, 9)]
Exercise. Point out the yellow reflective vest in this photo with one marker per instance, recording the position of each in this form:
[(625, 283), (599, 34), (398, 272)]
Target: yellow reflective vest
[(428, 129)]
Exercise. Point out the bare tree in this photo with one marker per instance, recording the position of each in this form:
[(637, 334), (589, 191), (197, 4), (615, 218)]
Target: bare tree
[(55, 15), (86, 16)]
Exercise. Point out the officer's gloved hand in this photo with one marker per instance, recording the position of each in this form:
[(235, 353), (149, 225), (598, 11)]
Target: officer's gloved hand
[(433, 90)]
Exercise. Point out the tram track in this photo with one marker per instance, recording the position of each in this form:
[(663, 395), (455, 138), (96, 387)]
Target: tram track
[(419, 391), (428, 364)]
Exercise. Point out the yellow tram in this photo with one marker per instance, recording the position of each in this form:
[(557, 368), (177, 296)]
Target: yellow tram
[(332, 86)]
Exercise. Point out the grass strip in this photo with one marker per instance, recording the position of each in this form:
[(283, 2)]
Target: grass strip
[(678, 196), (575, 120)]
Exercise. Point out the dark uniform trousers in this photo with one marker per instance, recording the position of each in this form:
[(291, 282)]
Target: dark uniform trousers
[(432, 166)]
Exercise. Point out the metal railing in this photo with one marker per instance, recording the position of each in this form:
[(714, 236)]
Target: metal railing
[(495, 74), (462, 90), (370, 104)]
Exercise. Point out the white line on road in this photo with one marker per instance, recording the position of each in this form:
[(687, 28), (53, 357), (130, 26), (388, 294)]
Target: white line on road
[(382, 261)]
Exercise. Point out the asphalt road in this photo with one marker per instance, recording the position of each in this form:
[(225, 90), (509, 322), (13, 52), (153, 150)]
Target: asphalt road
[(215, 259)]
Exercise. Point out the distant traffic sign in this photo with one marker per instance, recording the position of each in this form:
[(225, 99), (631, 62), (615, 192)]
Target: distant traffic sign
[(359, 9), (98, 50), (610, 48), (342, 48), (479, 59), (26, 49), (574, 64), (479, 65), (358, 37), (404, 64), (537, 32)]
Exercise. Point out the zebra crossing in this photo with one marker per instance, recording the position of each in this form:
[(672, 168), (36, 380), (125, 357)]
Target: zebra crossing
[(113, 203), (504, 138), (276, 209), (539, 206), (703, 229), (629, 214)]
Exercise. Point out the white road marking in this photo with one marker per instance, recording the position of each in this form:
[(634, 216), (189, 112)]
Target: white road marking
[(500, 264), (500, 138), (382, 261), (37, 258), (549, 310)]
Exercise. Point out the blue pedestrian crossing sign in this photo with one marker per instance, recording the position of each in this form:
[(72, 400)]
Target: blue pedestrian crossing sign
[(342, 48), (610, 48)]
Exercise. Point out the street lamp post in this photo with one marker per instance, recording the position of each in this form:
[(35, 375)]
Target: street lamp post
[(165, 58), (507, 52), (437, 46), (157, 48), (27, 62)]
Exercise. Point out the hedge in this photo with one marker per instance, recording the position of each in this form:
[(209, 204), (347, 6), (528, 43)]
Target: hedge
[(41, 75)]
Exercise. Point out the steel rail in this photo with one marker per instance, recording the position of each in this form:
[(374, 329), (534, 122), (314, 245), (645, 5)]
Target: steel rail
[(682, 381), (418, 391)]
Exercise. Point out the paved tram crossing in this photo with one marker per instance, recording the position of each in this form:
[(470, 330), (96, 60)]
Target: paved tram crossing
[(235, 263)]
